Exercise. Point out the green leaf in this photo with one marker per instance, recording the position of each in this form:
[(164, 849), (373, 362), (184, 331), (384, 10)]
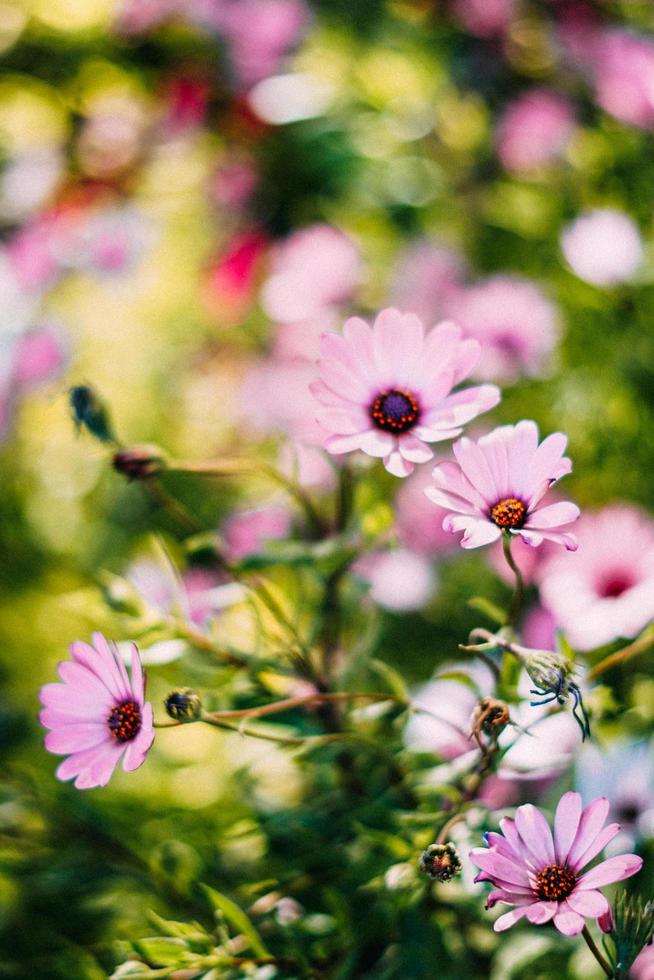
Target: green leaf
[(192, 931), (162, 950), (460, 678), (394, 679), (488, 609), (236, 918)]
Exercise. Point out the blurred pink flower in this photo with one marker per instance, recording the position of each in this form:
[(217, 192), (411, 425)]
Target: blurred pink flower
[(315, 269), (400, 580), (603, 247), (426, 277), (231, 277), (485, 18), (515, 323), (387, 390), (198, 595), (643, 967), (498, 484), (259, 34), (98, 715), (32, 252), (624, 772), (301, 339), (419, 526), (606, 590), (623, 69), (540, 874), (33, 358), (534, 129), (185, 102), (234, 183), (246, 531), (538, 747), (538, 628)]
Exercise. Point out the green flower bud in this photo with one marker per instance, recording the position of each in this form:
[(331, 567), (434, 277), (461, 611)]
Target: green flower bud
[(440, 861), (184, 705)]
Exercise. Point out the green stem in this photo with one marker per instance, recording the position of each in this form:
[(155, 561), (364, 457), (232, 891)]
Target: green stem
[(590, 942), (519, 591), (288, 703), (640, 645)]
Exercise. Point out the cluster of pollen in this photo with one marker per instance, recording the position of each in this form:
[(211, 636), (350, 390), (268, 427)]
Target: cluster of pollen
[(508, 513), (555, 883), (125, 721), (395, 411)]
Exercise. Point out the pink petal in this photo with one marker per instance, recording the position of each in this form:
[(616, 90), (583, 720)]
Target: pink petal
[(613, 869), (591, 904), (80, 678), (553, 515), (359, 336), (566, 824), (340, 370), (137, 684), (567, 921), (496, 864), (541, 912), (75, 738), (343, 444), (507, 898), (510, 918), (474, 465), (604, 837), (378, 443), (462, 407), (345, 420), (605, 921), (535, 833), (413, 449), (328, 397), (536, 538), (546, 461), (93, 767), (397, 344), (592, 821), (478, 534), (397, 465)]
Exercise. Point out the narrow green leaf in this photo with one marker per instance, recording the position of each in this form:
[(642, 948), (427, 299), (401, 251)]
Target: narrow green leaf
[(236, 918), (488, 609)]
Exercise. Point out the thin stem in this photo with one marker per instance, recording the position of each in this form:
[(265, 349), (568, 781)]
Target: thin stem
[(280, 739), (238, 467), (641, 645), (518, 594), (590, 942), (288, 703), (445, 829)]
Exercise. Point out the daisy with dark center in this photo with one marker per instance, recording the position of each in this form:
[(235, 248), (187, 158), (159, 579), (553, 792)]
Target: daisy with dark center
[(498, 486), (98, 715), (541, 875), (387, 389)]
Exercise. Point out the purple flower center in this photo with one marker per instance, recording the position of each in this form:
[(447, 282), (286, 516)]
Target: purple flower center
[(554, 883), (508, 513), (395, 411), (125, 721), (613, 586)]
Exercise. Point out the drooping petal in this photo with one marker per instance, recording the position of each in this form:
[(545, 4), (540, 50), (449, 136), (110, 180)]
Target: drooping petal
[(541, 912), (413, 449), (567, 921), (396, 464), (497, 864), (510, 918), (591, 904)]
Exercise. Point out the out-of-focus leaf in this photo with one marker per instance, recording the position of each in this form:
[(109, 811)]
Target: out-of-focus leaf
[(393, 678), (163, 950), (488, 609), (236, 918)]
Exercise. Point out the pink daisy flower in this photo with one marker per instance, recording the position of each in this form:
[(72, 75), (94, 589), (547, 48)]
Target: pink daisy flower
[(98, 714), (541, 875), (387, 389), (498, 486)]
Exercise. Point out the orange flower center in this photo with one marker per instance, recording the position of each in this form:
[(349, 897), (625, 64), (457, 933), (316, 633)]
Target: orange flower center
[(125, 721), (395, 411), (508, 513), (555, 883)]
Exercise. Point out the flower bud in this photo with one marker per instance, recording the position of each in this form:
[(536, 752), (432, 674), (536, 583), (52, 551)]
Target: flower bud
[(633, 926), (184, 705), (553, 677), (440, 861), (489, 718), (89, 412), (139, 462)]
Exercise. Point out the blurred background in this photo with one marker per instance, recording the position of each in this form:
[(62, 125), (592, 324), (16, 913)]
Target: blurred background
[(191, 192)]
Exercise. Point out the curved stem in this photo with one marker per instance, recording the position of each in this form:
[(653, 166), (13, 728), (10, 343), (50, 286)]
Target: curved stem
[(518, 594), (641, 645), (590, 942), (445, 829)]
